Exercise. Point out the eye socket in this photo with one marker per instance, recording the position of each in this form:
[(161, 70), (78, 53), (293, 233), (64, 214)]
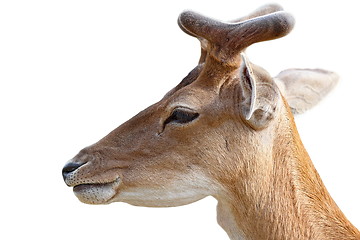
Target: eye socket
[(181, 116)]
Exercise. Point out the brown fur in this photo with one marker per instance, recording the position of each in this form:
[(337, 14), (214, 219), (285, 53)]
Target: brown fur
[(243, 148)]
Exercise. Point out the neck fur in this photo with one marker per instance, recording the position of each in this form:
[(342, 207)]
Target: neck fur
[(286, 199)]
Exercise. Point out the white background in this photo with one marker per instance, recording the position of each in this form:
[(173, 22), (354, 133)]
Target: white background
[(71, 71)]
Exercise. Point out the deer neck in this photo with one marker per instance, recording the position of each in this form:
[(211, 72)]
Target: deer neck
[(286, 199)]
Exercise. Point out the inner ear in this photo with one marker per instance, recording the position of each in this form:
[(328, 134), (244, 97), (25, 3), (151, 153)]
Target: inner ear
[(248, 87), (260, 95)]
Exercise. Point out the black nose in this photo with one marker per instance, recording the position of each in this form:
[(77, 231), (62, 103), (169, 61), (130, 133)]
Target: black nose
[(70, 167)]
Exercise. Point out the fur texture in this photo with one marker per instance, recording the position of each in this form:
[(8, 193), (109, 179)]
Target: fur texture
[(240, 144)]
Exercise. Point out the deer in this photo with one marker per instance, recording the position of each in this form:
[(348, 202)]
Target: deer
[(227, 130)]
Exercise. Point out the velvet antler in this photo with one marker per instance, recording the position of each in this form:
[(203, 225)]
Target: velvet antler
[(224, 41)]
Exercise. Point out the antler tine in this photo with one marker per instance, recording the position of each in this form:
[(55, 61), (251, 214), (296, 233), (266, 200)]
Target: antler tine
[(227, 40), (263, 10), (200, 26), (203, 42), (263, 28)]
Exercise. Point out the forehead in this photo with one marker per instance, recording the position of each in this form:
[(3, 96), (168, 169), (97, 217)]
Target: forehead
[(192, 96)]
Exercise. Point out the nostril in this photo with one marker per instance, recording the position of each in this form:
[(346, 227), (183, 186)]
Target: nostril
[(70, 167)]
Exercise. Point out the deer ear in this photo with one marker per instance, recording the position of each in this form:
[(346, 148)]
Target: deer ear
[(259, 95), (304, 88)]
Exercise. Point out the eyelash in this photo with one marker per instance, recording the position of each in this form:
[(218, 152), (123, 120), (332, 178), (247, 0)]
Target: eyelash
[(181, 116)]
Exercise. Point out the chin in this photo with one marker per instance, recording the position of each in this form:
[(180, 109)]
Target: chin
[(97, 193)]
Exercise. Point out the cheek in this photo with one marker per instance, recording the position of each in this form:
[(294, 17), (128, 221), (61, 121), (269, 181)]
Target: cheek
[(165, 190), (157, 171), (152, 177)]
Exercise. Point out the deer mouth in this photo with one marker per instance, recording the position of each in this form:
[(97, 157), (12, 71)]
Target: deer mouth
[(97, 193)]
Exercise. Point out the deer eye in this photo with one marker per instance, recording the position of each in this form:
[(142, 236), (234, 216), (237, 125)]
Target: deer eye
[(181, 116)]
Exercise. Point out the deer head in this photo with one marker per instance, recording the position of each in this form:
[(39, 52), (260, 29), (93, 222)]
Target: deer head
[(214, 129)]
